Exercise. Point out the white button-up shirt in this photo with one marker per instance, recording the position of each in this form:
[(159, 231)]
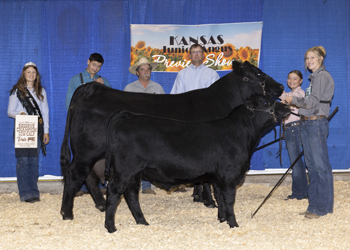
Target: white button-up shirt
[(193, 78)]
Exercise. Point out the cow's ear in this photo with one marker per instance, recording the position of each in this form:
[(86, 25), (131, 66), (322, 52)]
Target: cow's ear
[(237, 67), (250, 100), (246, 64)]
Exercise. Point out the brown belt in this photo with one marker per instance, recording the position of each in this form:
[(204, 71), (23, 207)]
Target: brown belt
[(291, 124), (304, 118)]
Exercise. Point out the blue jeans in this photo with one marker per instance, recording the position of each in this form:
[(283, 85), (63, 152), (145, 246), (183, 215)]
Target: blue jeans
[(145, 184), (27, 171), (293, 144), (314, 135)]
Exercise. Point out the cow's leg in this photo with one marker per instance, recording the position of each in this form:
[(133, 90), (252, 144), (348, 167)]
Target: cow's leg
[(113, 198), (229, 198), (92, 183), (207, 198), (73, 181), (131, 196), (197, 193), (220, 201)]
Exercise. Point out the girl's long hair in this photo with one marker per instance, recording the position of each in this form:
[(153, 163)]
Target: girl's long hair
[(22, 85)]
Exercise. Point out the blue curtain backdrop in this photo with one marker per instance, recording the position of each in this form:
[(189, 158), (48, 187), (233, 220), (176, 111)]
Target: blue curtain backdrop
[(59, 36)]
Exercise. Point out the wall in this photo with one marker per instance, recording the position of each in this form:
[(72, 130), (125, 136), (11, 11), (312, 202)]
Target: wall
[(59, 36)]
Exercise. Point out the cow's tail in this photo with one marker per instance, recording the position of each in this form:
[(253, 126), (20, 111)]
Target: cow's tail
[(65, 148)]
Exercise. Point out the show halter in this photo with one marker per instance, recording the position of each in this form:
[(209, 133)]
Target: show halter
[(262, 84), (270, 110)]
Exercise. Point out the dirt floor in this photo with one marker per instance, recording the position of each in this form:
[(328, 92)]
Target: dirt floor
[(177, 223)]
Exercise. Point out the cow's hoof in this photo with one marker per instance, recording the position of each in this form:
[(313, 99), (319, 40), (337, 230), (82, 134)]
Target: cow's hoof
[(111, 229), (145, 223), (222, 220), (102, 208), (210, 205), (66, 217), (196, 198), (234, 226)]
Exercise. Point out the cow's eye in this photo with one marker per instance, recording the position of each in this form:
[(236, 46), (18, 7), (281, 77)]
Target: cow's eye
[(259, 74)]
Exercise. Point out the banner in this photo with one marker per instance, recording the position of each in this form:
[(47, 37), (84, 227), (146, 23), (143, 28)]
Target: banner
[(26, 131), (169, 44)]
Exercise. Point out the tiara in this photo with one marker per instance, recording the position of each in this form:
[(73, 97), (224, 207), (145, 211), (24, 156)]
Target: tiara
[(29, 64)]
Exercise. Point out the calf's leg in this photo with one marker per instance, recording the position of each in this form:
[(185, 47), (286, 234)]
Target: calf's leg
[(113, 199), (220, 201), (229, 199), (92, 183), (73, 180), (197, 193), (207, 197), (131, 196)]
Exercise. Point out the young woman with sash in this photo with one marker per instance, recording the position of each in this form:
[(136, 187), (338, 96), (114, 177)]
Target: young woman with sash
[(28, 97)]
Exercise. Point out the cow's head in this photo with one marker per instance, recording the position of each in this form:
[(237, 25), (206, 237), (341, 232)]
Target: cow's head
[(260, 82), (275, 110)]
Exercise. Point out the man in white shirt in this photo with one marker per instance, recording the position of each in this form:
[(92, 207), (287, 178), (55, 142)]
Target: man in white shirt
[(196, 75)]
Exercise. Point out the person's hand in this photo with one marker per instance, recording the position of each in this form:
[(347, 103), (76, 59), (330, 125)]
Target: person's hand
[(287, 100), (22, 113), (99, 80), (46, 139)]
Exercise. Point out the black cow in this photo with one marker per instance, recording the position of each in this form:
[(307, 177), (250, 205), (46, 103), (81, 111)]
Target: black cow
[(171, 152), (93, 104)]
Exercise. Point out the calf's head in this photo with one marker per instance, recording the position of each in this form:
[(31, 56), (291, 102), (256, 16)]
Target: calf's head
[(261, 103), (257, 80)]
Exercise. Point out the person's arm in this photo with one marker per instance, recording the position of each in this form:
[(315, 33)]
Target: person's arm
[(317, 89), (45, 112), (161, 91), (106, 82), (103, 80), (70, 91), (46, 138), (215, 77), (177, 87), (12, 107), (284, 94)]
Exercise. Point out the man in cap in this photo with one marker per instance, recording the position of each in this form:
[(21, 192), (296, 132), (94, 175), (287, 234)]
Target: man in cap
[(143, 69)]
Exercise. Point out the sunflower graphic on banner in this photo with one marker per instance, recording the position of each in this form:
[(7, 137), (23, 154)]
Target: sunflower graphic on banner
[(169, 45)]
